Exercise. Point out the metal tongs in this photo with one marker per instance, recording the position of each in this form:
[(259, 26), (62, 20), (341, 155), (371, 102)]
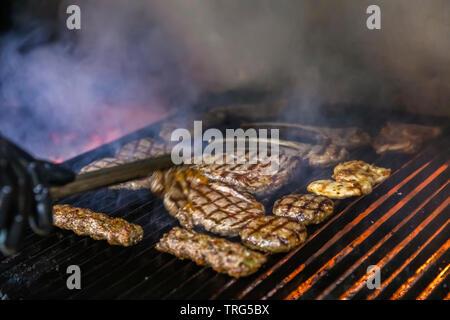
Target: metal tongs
[(109, 176)]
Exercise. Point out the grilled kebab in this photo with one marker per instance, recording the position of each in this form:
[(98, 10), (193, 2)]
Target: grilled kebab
[(220, 254), (99, 226)]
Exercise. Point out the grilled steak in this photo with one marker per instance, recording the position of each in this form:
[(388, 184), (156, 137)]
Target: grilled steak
[(257, 178), (99, 226), (333, 189), (306, 208), (111, 162), (273, 234), (351, 137), (212, 205), (135, 150), (360, 174), (222, 255), (323, 156), (402, 137), (142, 149)]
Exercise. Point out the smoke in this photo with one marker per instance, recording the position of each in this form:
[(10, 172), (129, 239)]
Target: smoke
[(133, 61), (81, 88)]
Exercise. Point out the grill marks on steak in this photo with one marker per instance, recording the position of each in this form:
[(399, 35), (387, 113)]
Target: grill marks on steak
[(259, 177), (112, 162), (273, 234), (135, 150), (99, 226), (305, 208), (221, 255), (142, 149), (214, 206)]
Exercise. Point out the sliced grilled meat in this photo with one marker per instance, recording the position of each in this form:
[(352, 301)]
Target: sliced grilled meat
[(333, 189), (99, 226), (258, 177), (222, 255), (305, 208), (273, 234), (361, 174), (211, 205), (403, 137)]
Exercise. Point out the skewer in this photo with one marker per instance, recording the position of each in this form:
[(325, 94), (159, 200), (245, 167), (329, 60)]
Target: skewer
[(109, 176)]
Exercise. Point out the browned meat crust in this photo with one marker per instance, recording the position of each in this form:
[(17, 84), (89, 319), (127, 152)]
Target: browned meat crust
[(214, 206), (222, 255), (361, 174), (256, 178), (353, 178), (306, 208), (323, 156), (112, 162), (351, 137), (403, 137), (333, 189), (135, 150), (142, 149), (273, 234), (99, 226)]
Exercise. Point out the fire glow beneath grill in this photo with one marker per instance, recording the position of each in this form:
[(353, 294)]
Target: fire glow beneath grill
[(308, 283), (112, 124)]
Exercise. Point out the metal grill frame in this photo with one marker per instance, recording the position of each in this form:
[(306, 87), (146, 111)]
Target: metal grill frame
[(402, 226)]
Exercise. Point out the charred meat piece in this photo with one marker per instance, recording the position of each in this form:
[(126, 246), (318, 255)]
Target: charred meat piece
[(221, 255), (403, 137), (112, 162), (258, 177), (305, 208), (99, 226), (142, 149), (351, 137), (323, 156), (211, 205), (333, 189), (273, 234), (361, 174)]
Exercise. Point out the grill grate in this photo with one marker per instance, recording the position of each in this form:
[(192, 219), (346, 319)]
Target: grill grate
[(402, 227)]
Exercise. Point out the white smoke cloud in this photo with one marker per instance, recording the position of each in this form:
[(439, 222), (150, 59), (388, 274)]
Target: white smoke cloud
[(162, 54)]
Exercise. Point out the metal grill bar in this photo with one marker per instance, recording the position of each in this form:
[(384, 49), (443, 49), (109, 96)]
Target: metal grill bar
[(402, 227)]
